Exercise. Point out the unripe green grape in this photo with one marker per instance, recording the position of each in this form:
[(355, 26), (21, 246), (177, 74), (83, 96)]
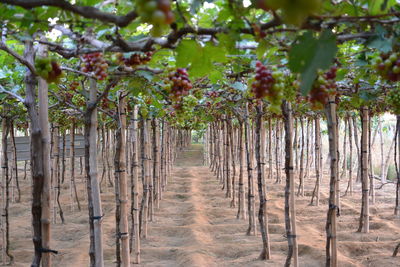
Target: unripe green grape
[(393, 57), (387, 63), (158, 17)]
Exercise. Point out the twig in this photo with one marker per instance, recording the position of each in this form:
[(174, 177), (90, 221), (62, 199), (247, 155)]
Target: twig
[(79, 72)]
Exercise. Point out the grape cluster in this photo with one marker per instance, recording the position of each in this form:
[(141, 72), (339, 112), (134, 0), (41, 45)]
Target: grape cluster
[(78, 100), (188, 103), (74, 85), (393, 99), (94, 62), (48, 69), (323, 86), (388, 66), (178, 85), (268, 84), (156, 12), (135, 59), (212, 94)]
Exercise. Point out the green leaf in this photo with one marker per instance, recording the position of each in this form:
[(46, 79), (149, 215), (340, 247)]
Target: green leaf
[(261, 49), (186, 50), (3, 96), (228, 41), (145, 74), (215, 76), (215, 53), (380, 6), (310, 54), (382, 44), (201, 65)]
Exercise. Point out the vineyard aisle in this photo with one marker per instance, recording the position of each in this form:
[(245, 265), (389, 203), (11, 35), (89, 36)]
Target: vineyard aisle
[(194, 225)]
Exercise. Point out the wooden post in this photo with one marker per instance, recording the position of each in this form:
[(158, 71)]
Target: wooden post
[(350, 185), (364, 216), (300, 191), (331, 224), (156, 163), (397, 160), (46, 193), (5, 184), (251, 194), (120, 170), (93, 189), (260, 157), (55, 168), (135, 185), (318, 161), (277, 152), (290, 204), (145, 178), (241, 210)]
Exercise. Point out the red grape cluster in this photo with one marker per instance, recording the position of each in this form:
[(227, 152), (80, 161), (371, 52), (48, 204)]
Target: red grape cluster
[(135, 59), (178, 84), (268, 84), (388, 66), (264, 81), (323, 86), (94, 62)]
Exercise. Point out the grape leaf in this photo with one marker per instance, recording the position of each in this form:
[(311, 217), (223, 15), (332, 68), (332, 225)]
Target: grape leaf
[(186, 51), (380, 6), (309, 54)]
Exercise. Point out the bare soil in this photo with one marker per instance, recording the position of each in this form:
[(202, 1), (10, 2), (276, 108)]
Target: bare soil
[(195, 226)]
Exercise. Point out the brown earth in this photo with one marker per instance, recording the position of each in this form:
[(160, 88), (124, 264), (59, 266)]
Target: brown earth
[(196, 227)]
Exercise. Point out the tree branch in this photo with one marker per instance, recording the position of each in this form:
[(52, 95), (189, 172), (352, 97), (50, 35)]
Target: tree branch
[(13, 95), (18, 57), (79, 72), (85, 11)]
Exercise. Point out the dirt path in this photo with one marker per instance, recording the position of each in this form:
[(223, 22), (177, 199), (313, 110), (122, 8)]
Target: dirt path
[(194, 226)]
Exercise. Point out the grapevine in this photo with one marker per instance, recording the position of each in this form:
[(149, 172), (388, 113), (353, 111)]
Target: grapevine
[(95, 63)]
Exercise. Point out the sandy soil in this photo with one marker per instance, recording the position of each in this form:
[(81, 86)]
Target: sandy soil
[(195, 226)]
